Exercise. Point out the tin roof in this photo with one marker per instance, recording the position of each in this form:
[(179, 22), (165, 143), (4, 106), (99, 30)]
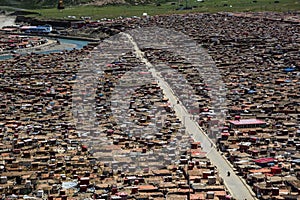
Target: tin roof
[(264, 160)]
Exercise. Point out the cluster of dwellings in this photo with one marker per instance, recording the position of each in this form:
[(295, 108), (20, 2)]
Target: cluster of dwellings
[(286, 17), (52, 146), (257, 54), (14, 42), (45, 29), (40, 29), (48, 149), (258, 59)]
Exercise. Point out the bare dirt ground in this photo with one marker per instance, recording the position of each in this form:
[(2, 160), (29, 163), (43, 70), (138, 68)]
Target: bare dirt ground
[(7, 20)]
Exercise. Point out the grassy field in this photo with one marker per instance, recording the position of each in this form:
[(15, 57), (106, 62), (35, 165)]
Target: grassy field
[(33, 4), (110, 11)]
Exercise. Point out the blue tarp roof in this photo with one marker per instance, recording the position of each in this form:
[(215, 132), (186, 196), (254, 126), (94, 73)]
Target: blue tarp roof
[(296, 161), (68, 185), (289, 69), (251, 91)]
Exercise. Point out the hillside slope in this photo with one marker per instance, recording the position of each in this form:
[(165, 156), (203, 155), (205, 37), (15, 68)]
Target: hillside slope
[(33, 4)]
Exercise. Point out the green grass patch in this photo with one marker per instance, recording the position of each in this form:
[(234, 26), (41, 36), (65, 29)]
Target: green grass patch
[(36, 4), (106, 11), (8, 8), (211, 6)]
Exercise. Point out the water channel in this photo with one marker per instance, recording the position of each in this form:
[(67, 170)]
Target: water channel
[(77, 44)]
